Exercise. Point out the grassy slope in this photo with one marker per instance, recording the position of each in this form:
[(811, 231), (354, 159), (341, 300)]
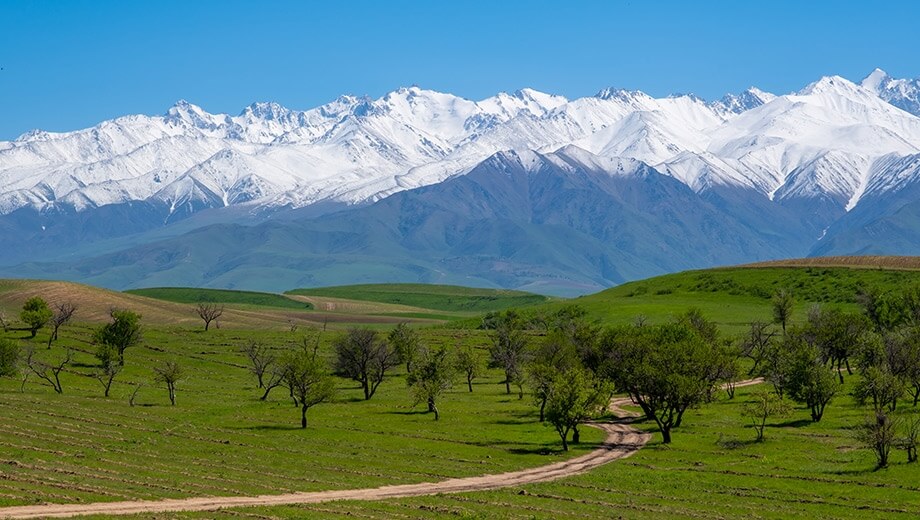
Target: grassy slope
[(435, 297), (733, 297), (194, 295)]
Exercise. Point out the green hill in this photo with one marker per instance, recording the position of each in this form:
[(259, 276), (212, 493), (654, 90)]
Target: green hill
[(224, 296), (436, 297), (735, 296)]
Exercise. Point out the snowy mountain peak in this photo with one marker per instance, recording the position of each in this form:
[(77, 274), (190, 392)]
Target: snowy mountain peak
[(265, 110), (832, 85), (902, 93), (737, 103), (875, 79)]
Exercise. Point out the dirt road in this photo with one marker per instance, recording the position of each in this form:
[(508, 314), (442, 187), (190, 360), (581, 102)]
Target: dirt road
[(622, 441)]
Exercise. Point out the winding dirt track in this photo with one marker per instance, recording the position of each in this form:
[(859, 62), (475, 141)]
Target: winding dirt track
[(622, 441)]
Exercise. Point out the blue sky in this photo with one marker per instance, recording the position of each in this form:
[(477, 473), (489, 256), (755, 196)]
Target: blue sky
[(69, 65)]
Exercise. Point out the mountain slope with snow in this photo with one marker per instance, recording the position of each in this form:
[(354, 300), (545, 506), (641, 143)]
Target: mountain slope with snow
[(804, 169)]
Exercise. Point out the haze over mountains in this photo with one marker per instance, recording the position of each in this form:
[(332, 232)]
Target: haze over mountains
[(522, 190)]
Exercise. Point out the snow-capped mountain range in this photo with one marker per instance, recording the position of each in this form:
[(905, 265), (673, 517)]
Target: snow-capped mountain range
[(833, 138), (818, 153)]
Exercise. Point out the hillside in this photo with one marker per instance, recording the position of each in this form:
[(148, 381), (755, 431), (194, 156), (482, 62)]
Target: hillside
[(221, 296), (450, 298), (735, 296)]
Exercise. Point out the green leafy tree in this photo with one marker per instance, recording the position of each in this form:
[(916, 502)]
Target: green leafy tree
[(666, 369), (109, 366), (764, 405), (468, 364), (808, 379), (309, 381), (9, 358), (555, 353), (880, 388), (363, 357), (405, 341), (122, 333), (35, 314), (575, 396), (432, 374)]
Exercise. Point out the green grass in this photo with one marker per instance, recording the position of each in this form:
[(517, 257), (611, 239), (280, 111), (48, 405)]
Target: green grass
[(221, 440), (733, 297), (435, 297), (223, 296), (713, 469)]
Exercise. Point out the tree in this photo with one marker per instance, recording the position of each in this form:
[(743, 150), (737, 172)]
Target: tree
[(61, 316), (432, 374), (109, 366), (168, 373), (764, 405), (756, 344), (35, 314), (553, 354), (509, 353), (309, 382), (363, 357), (4, 323), (666, 369), (808, 379), (878, 433), (122, 333), (469, 365), (838, 335), (209, 312), (48, 372), (782, 307), (574, 396), (406, 343), (9, 358), (879, 387), (900, 352), (260, 359), (911, 436)]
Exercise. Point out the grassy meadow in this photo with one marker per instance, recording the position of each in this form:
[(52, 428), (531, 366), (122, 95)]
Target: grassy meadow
[(222, 440)]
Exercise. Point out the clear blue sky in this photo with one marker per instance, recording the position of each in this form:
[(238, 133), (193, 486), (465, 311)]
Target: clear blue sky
[(69, 65)]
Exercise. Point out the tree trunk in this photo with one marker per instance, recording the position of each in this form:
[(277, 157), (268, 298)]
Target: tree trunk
[(206, 325), (576, 435), (847, 362), (437, 414), (665, 434), (542, 410), (839, 372), (303, 416), (172, 394), (507, 386), (431, 407), (469, 383)]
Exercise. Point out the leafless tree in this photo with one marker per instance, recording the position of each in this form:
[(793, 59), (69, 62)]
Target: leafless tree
[(209, 312), (63, 312), (48, 372), (134, 394), (169, 372), (260, 358), (361, 355), (878, 434)]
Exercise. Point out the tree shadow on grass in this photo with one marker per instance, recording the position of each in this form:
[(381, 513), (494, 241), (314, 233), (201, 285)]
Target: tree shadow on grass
[(269, 427), (408, 412), (539, 450), (798, 423)]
